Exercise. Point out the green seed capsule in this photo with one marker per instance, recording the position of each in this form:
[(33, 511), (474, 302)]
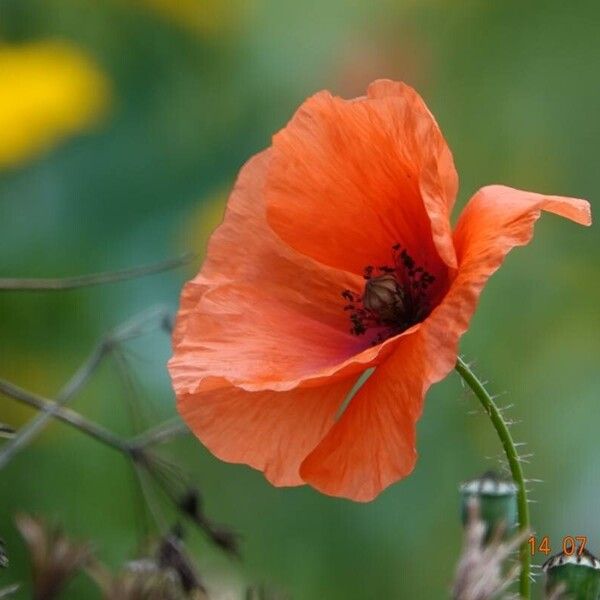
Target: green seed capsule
[(578, 576), (497, 498)]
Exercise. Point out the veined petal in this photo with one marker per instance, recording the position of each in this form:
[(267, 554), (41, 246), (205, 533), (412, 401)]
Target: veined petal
[(240, 333), (495, 220), (349, 179), (439, 179), (244, 333), (373, 444), (259, 313), (270, 431)]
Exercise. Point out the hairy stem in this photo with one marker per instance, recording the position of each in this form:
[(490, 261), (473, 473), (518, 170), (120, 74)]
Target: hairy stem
[(514, 463)]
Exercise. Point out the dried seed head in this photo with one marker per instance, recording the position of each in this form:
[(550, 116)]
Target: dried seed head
[(176, 485), (480, 574), (139, 579), (190, 503), (55, 558), (171, 554), (166, 575)]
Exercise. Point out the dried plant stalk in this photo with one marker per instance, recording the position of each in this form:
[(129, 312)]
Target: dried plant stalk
[(481, 573)]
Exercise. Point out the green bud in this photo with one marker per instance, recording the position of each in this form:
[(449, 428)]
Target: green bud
[(497, 498), (578, 576)]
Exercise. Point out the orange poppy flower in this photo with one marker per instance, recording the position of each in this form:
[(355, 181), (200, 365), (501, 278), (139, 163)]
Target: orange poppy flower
[(336, 265)]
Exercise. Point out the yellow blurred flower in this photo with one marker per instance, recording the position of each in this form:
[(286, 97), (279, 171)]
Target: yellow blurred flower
[(48, 90), (208, 17)]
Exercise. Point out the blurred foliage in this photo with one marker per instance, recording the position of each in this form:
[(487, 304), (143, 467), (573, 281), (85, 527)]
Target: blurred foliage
[(193, 95), (211, 17)]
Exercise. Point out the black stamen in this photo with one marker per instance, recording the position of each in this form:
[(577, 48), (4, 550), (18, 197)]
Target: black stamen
[(395, 297)]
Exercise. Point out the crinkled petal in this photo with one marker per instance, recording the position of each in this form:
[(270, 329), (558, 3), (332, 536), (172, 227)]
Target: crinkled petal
[(247, 335), (259, 313), (495, 220), (439, 179), (373, 444), (349, 179), (270, 431), (244, 249)]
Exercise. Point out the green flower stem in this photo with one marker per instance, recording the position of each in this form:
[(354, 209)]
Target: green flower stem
[(515, 466)]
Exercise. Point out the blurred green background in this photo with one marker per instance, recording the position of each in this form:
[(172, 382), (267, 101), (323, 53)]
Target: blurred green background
[(165, 101)]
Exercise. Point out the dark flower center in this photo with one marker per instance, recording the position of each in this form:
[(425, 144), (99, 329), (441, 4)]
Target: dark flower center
[(394, 298)]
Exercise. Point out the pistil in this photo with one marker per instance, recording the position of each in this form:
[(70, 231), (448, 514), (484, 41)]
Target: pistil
[(394, 297)]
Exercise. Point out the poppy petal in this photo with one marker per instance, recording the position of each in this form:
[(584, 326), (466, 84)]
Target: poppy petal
[(439, 180), (495, 220), (249, 280), (372, 445), (245, 249), (246, 334), (270, 431), (259, 313), (349, 179)]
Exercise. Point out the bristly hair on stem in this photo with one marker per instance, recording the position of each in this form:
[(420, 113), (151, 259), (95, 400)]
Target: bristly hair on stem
[(514, 462)]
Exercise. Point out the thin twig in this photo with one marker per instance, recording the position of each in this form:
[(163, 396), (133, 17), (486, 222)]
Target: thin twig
[(160, 434), (9, 284), (482, 573), (135, 447), (27, 433), (7, 592), (138, 325), (51, 407), (6, 431)]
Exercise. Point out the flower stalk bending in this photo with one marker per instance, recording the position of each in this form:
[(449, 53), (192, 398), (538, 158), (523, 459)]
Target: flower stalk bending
[(514, 463)]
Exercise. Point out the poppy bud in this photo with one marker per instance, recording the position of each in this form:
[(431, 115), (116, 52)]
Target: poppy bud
[(497, 500), (383, 295), (577, 575)]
